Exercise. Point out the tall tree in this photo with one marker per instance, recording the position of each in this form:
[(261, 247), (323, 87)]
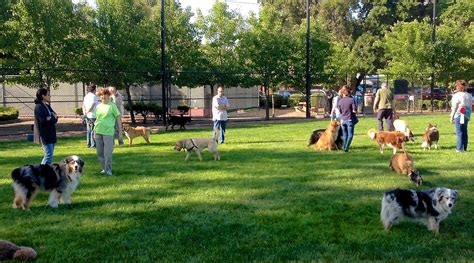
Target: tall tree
[(221, 30), (266, 49), (44, 37)]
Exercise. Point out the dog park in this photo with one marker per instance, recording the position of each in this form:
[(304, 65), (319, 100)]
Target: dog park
[(269, 198), (238, 124)]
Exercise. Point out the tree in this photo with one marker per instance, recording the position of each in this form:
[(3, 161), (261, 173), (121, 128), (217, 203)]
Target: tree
[(124, 44), (221, 30), (266, 50), (43, 40)]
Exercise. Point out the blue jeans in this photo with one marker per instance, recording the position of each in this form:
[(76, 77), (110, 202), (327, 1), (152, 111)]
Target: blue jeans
[(461, 134), (90, 132), (347, 133), (48, 153), (221, 126)]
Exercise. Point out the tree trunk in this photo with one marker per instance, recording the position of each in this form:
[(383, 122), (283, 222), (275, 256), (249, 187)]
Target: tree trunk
[(267, 98), (129, 101)]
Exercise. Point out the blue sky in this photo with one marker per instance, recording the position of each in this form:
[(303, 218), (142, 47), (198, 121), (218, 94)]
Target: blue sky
[(242, 6)]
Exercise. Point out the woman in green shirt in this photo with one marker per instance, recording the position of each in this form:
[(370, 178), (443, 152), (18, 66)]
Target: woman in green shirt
[(107, 114)]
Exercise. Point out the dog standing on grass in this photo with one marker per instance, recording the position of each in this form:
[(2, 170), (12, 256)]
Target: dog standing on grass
[(395, 140), (431, 137), (430, 207), (133, 132), (197, 145), (402, 163)]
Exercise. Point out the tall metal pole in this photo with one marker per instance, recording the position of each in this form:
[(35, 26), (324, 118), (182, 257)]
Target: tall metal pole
[(308, 75), (164, 74), (433, 41)]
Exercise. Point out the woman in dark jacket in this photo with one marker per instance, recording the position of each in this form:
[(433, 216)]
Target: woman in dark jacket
[(45, 124), (347, 108)]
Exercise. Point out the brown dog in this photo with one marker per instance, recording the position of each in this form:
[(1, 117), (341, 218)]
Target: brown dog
[(197, 145), (430, 137), (328, 138), (402, 163), (395, 140), (133, 132)]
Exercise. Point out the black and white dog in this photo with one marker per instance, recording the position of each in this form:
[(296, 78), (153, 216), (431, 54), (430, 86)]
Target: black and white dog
[(431, 207), (60, 179)]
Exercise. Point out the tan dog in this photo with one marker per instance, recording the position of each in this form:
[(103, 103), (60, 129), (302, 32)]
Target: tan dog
[(430, 137), (133, 132), (402, 163), (328, 138), (395, 140), (197, 145)]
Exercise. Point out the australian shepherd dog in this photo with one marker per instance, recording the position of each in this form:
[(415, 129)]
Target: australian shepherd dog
[(395, 140), (402, 163), (429, 207), (431, 137), (328, 138), (60, 179)]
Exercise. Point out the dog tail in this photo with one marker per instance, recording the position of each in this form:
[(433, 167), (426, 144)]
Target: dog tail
[(372, 133)]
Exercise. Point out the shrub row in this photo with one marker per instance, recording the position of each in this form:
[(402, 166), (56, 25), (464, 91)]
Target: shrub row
[(8, 113)]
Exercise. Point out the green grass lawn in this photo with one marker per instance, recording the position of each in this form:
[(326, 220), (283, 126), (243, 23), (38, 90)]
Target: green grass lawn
[(268, 199)]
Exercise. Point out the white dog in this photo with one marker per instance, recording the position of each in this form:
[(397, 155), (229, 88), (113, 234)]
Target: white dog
[(431, 207), (402, 126), (197, 145)]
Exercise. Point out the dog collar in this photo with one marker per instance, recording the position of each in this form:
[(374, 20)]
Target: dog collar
[(194, 146)]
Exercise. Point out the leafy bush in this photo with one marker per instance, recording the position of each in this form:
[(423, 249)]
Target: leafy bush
[(278, 99), (77, 111), (8, 113), (144, 109), (294, 99)]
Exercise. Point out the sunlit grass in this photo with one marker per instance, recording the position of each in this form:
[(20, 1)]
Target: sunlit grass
[(268, 199)]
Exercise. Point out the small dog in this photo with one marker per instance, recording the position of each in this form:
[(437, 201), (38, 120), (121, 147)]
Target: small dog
[(402, 163), (431, 206), (197, 145), (317, 134), (402, 126), (328, 138), (430, 137), (395, 140), (61, 180), (181, 120), (133, 132)]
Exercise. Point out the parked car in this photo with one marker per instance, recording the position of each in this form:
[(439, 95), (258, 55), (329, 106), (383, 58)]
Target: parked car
[(287, 93), (438, 93)]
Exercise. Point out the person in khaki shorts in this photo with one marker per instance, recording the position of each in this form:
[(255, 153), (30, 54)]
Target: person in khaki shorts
[(384, 105)]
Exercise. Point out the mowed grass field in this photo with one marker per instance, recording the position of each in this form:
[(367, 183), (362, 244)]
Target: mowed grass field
[(268, 199)]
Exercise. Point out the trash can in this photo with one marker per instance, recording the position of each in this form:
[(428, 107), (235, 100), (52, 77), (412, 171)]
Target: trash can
[(29, 137)]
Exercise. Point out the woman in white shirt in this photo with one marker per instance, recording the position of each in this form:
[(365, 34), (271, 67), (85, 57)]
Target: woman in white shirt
[(461, 105)]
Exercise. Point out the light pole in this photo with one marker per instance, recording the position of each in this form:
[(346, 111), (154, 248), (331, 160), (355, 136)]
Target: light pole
[(308, 75), (433, 41), (163, 63)]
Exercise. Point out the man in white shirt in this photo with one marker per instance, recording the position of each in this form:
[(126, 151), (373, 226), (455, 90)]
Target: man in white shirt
[(220, 104), (88, 106)]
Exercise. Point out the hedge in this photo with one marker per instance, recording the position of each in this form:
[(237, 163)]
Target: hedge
[(8, 113), (295, 99)]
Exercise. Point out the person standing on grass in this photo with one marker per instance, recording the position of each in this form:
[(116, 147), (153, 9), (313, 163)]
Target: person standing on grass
[(88, 106), (461, 106), (384, 105), (107, 115), (45, 124), (335, 113), (117, 98), (348, 109), (220, 105)]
